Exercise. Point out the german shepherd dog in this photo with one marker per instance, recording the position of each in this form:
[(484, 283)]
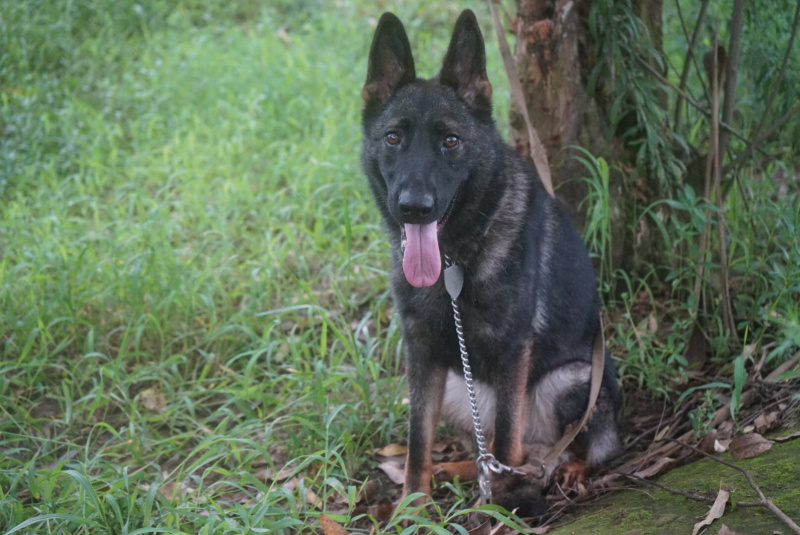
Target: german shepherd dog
[(447, 185)]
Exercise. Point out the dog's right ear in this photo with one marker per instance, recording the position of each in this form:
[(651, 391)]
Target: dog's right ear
[(390, 62)]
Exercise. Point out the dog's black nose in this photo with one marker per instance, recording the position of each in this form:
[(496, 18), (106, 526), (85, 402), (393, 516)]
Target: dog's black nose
[(415, 205)]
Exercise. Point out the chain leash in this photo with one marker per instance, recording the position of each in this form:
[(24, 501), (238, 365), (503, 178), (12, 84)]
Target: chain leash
[(454, 282)]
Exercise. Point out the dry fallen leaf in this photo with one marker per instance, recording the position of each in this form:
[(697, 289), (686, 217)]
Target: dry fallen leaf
[(379, 512), (725, 530), (607, 481), (725, 428), (652, 323), (391, 450), (267, 474), (721, 446), (153, 401), (655, 468), (313, 499), (442, 447), (716, 511), (394, 471), (177, 489), (748, 446), (661, 434), (370, 489), (765, 422), (330, 527), (707, 444)]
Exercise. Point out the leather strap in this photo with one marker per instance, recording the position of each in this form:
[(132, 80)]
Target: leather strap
[(538, 154), (572, 430)]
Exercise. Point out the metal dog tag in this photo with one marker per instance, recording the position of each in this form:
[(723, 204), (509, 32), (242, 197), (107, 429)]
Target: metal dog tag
[(454, 280)]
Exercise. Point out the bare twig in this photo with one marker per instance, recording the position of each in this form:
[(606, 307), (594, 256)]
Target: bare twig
[(764, 352), (784, 367), (685, 494), (720, 415), (712, 165), (690, 58), (692, 101), (654, 429), (732, 71), (766, 502), (727, 310), (755, 144), (690, 495)]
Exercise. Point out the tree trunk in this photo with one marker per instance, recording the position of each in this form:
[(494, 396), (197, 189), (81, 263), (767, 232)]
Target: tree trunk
[(552, 64), (554, 56)]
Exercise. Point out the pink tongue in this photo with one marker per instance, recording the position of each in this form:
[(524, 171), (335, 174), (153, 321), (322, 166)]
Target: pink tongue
[(421, 261)]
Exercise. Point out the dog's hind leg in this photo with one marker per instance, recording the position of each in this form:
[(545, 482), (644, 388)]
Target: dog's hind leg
[(599, 440)]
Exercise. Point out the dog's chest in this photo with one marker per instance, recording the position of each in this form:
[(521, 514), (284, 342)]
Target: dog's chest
[(494, 327)]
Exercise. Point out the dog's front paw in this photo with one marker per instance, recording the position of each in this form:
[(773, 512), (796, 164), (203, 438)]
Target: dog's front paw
[(522, 494)]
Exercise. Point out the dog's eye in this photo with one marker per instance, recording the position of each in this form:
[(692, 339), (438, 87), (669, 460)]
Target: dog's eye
[(451, 142), (392, 139)]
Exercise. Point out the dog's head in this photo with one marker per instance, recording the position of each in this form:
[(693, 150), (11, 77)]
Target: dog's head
[(421, 137)]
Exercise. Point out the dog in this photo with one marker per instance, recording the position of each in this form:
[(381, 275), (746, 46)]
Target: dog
[(449, 189)]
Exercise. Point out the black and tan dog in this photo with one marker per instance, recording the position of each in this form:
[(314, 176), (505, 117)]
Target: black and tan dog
[(446, 184)]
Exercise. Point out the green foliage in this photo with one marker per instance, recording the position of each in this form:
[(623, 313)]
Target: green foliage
[(766, 32), (193, 294), (764, 256), (622, 46), (702, 417), (647, 359), (195, 330), (597, 232), (759, 212)]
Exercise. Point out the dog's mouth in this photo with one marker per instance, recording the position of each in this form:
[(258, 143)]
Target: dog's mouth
[(422, 261)]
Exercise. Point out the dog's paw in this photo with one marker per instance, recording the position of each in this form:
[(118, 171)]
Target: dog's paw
[(520, 494), (572, 476), (463, 470)]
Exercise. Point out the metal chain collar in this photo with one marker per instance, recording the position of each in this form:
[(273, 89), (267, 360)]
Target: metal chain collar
[(454, 282)]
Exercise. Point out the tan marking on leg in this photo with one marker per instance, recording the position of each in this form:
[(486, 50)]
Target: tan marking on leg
[(516, 453), (419, 471)]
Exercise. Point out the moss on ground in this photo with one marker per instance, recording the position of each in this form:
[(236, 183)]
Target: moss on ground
[(652, 511)]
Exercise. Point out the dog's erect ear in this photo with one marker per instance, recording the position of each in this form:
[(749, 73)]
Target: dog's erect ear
[(464, 65), (390, 62)]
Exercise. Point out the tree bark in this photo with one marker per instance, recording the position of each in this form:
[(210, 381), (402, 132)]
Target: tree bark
[(553, 62), (555, 56)]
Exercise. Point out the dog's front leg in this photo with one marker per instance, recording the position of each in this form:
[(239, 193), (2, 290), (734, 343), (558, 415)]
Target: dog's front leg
[(509, 427), (514, 491), (426, 385)]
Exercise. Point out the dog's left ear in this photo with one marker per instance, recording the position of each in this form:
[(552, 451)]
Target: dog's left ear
[(464, 65)]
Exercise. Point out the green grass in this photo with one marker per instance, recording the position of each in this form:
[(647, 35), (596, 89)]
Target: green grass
[(193, 291), (192, 274)]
